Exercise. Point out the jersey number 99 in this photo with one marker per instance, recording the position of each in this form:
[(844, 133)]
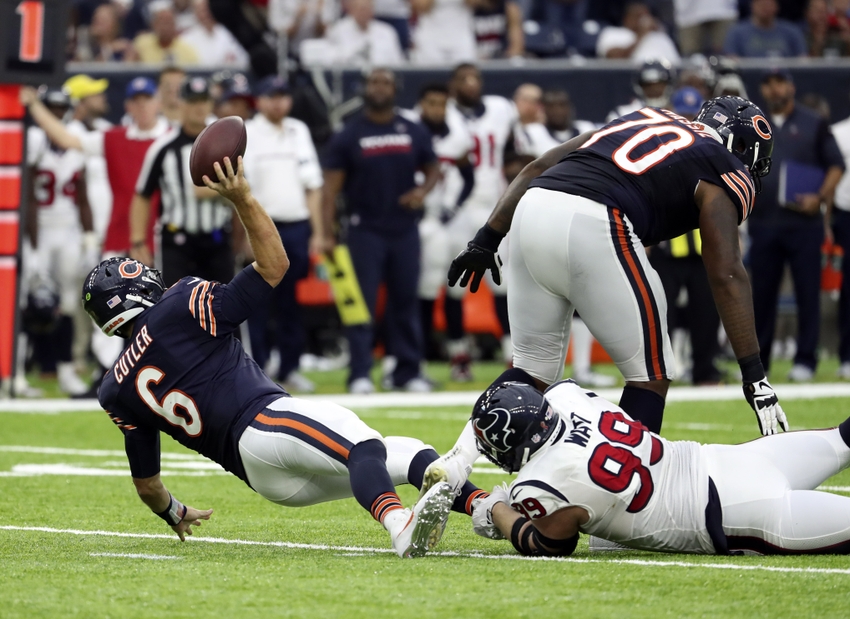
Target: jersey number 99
[(189, 420)]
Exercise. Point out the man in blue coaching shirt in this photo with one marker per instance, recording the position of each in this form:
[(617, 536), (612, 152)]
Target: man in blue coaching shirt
[(373, 161)]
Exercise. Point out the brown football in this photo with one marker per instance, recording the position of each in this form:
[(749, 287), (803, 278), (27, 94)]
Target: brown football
[(226, 137)]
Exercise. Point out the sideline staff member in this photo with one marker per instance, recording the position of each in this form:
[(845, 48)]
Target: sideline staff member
[(195, 237), (373, 161)]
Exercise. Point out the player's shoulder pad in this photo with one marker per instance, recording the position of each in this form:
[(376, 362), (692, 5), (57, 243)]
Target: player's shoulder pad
[(536, 498)]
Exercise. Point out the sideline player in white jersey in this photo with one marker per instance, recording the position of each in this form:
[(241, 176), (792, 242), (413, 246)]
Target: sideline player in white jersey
[(653, 87), (56, 224), (452, 144), (490, 119), (584, 466)]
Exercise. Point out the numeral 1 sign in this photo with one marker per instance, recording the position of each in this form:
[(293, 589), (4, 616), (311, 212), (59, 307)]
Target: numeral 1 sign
[(32, 30)]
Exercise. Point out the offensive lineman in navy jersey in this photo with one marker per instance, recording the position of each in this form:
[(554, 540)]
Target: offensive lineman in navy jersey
[(577, 245), (183, 373)]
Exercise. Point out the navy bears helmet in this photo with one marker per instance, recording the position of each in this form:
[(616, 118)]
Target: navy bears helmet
[(511, 421), (743, 130), (119, 289)]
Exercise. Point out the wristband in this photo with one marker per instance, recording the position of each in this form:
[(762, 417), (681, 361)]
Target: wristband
[(752, 370), (174, 513), (488, 238)]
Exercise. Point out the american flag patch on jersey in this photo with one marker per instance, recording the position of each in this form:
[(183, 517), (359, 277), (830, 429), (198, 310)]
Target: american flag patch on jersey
[(720, 117), (113, 301)]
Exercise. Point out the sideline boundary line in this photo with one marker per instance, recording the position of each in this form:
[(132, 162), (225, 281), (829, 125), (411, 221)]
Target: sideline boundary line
[(465, 555), (50, 406)]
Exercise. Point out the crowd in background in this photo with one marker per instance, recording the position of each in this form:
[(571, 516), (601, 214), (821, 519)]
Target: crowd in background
[(239, 33)]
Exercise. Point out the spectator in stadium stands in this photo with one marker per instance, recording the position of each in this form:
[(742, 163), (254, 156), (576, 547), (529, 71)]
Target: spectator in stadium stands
[(194, 221), (397, 14), (641, 37), (214, 44), (530, 134), (283, 169), (827, 33), (299, 20), (703, 26), (841, 232), (444, 33), (359, 39), (559, 112), (170, 81), (373, 161), (764, 35), (185, 15), (123, 148), (790, 228), (163, 44), (248, 21), (557, 26), (236, 99), (498, 29), (102, 41)]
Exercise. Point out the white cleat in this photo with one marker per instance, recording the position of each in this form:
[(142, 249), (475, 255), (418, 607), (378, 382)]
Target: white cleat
[(600, 544), (426, 522), (450, 468)]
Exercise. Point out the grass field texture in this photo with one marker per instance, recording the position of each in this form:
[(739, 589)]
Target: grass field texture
[(63, 478)]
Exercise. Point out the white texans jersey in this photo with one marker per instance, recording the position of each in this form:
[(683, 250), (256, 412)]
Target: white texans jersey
[(56, 176), (450, 146), (639, 489), (491, 125)]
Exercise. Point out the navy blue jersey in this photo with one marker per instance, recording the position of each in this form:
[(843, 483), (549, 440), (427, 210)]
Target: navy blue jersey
[(185, 374), (380, 164), (648, 164)]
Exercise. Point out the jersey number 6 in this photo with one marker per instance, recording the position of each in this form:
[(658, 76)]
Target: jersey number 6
[(189, 420)]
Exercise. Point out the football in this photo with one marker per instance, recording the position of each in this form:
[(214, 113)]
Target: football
[(226, 137)]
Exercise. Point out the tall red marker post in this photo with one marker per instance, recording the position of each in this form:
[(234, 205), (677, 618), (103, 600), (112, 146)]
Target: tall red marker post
[(32, 48)]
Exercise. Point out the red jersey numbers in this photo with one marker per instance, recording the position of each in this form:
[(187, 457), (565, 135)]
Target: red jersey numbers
[(483, 154), (530, 508), (613, 467), (45, 187), (176, 407)]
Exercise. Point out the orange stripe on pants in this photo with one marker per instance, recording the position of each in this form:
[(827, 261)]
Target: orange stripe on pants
[(301, 427)]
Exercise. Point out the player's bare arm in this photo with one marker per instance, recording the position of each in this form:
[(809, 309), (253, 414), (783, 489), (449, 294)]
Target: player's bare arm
[(52, 126), (333, 183), (730, 286), (154, 494), (270, 259), (480, 255), (140, 212), (552, 535)]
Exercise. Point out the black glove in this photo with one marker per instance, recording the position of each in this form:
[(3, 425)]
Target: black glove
[(479, 255)]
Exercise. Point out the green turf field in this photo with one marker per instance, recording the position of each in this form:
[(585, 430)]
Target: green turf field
[(255, 559)]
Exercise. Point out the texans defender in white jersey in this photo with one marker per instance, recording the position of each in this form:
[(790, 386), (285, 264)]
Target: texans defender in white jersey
[(55, 228), (452, 144), (490, 119), (185, 374), (585, 466)]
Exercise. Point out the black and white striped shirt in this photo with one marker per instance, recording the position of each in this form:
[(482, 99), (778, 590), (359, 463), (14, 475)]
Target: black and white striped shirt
[(166, 168)]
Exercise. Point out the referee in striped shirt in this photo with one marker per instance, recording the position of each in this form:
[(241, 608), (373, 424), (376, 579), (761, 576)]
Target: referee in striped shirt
[(194, 221)]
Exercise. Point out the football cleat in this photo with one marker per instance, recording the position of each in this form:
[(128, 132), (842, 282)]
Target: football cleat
[(426, 523), (449, 468)]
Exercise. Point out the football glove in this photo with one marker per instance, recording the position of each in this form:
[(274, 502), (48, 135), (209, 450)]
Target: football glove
[(479, 256), (482, 513), (762, 398)]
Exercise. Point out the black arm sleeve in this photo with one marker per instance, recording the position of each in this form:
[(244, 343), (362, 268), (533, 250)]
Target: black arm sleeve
[(467, 173), (142, 447)]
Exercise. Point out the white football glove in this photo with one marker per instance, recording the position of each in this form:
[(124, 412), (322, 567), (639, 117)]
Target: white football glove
[(482, 512), (762, 398)]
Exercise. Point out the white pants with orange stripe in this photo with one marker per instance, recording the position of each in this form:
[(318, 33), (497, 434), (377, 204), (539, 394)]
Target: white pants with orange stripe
[(295, 452), (573, 254)]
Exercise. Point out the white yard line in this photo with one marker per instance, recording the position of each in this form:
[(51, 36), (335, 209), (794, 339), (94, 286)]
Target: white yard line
[(461, 398), (128, 555), (472, 555)]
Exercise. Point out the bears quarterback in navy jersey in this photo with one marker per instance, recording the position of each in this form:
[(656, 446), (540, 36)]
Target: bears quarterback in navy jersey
[(184, 373)]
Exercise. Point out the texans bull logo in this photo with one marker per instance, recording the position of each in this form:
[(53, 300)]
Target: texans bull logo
[(493, 431)]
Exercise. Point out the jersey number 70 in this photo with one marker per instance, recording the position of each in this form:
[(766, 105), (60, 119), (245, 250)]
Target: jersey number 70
[(613, 467)]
